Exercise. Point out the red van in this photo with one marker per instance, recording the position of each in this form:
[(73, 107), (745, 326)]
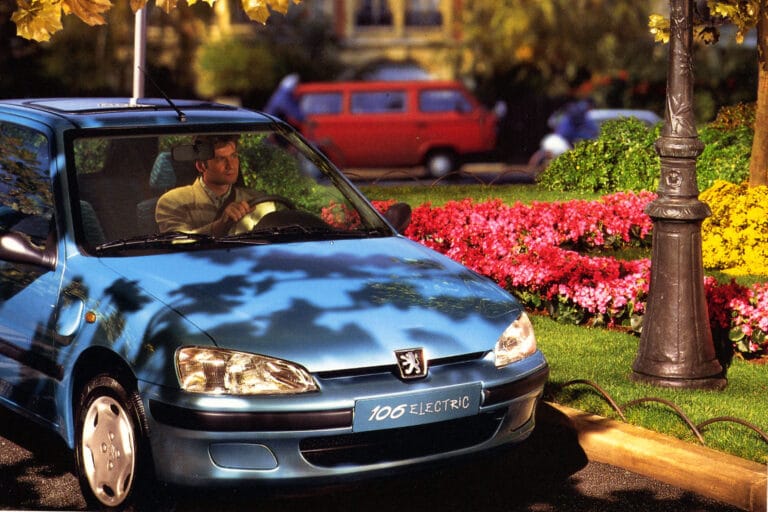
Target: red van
[(396, 124)]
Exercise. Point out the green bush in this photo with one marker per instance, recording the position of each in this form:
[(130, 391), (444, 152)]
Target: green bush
[(727, 146), (233, 67), (623, 157)]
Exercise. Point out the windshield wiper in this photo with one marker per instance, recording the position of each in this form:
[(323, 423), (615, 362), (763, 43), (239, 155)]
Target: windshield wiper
[(170, 238), (299, 232)]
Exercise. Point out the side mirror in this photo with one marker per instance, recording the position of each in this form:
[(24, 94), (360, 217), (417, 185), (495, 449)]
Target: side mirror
[(17, 248), (399, 215)]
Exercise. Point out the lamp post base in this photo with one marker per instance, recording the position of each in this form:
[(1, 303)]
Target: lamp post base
[(717, 383)]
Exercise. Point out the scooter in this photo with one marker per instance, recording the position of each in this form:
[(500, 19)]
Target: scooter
[(551, 146)]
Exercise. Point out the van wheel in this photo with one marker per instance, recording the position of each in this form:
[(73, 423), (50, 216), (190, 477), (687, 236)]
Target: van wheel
[(110, 446), (440, 163)]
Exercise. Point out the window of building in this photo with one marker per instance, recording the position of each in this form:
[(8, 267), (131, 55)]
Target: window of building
[(423, 13), (371, 13)]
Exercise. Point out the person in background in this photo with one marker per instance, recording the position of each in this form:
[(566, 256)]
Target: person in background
[(283, 103)]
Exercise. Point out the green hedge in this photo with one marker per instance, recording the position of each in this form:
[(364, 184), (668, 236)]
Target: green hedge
[(623, 157)]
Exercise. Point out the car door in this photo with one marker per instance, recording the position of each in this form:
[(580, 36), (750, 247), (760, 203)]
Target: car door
[(28, 293)]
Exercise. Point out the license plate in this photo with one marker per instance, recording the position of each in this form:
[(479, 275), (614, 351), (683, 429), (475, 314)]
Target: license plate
[(417, 408)]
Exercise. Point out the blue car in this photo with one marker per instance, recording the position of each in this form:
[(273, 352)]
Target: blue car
[(192, 294)]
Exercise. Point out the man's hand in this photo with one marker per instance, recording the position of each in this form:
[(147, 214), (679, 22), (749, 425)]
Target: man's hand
[(232, 213)]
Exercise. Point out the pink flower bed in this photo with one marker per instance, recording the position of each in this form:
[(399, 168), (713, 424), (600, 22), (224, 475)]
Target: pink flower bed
[(539, 253)]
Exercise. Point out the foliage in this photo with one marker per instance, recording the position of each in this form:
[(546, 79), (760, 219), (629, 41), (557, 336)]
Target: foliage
[(735, 236), (621, 158), (40, 19), (744, 14), (276, 172), (560, 38), (233, 67)]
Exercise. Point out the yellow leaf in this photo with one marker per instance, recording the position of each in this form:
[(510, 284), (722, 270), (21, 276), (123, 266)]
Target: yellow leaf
[(659, 26), (138, 4), (37, 19), (209, 2), (88, 10), (256, 10), (166, 5)]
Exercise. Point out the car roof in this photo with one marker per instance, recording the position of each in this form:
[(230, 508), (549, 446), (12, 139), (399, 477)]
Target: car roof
[(603, 114), (128, 112), (377, 85)]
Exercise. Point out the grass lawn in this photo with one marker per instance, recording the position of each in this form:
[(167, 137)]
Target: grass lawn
[(605, 357)]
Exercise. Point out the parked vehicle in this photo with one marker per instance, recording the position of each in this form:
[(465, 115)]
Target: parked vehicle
[(556, 143), (309, 343), (437, 124)]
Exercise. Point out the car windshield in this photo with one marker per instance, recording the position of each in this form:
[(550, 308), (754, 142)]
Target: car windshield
[(172, 191)]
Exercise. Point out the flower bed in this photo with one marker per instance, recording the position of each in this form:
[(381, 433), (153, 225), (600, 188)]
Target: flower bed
[(539, 252)]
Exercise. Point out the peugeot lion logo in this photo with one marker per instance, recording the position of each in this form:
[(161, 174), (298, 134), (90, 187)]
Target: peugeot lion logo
[(411, 363)]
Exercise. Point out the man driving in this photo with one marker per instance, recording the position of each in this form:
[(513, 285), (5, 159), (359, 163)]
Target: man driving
[(214, 203)]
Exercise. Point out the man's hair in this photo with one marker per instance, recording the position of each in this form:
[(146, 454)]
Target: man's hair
[(218, 139)]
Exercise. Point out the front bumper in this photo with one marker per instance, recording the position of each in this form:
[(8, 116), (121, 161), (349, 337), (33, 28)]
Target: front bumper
[(213, 440)]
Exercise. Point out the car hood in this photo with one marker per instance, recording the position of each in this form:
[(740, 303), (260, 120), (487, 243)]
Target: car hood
[(327, 305)]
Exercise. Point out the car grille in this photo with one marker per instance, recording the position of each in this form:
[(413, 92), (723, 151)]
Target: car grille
[(400, 444)]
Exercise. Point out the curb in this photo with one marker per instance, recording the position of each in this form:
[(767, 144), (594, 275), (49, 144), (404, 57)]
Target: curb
[(717, 475)]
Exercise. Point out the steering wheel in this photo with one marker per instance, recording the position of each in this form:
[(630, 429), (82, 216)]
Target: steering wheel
[(249, 221)]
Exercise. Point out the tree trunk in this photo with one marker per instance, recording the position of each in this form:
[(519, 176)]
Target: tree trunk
[(758, 164)]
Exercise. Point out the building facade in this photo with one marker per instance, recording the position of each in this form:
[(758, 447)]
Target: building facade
[(423, 33)]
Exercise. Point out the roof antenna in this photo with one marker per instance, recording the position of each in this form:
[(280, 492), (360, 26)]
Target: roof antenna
[(182, 115)]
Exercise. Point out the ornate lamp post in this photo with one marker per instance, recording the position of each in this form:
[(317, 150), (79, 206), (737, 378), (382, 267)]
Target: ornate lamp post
[(676, 347)]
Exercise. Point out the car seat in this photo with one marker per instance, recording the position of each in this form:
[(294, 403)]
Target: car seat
[(165, 175)]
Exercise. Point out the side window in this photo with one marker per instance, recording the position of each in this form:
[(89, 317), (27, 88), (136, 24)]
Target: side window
[(321, 103), (26, 198), (378, 102), (443, 100)]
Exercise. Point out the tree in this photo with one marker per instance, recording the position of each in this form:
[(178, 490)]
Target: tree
[(39, 19), (745, 15), (563, 40)]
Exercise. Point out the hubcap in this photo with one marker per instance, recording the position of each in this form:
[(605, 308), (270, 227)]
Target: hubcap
[(108, 451)]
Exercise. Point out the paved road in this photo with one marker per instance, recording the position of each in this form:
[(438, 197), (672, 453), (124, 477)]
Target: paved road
[(547, 473), (488, 173)]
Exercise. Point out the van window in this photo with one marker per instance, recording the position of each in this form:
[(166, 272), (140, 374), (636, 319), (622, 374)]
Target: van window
[(378, 102), (443, 100), (321, 103)]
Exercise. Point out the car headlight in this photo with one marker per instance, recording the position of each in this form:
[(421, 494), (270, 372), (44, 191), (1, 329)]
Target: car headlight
[(516, 342), (214, 370)]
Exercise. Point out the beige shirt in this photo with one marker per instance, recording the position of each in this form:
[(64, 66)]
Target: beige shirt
[(190, 209)]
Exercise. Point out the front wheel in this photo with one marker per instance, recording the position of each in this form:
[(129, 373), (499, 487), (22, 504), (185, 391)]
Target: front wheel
[(110, 444)]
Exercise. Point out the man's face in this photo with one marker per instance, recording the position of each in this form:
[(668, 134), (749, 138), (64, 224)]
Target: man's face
[(223, 168)]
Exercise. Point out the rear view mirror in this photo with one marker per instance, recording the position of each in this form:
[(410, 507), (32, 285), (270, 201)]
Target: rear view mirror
[(192, 152)]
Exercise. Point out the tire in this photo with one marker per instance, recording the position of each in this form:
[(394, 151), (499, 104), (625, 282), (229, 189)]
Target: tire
[(440, 163), (110, 446)]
